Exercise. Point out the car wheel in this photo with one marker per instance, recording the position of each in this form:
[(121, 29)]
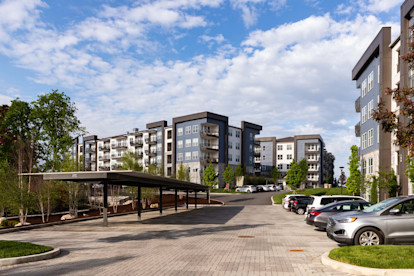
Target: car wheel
[(368, 236), (300, 211), (249, 191)]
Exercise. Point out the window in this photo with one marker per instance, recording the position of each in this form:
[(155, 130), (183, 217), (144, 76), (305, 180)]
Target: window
[(251, 148), (364, 114), (195, 128), (187, 143), (364, 166), (378, 130), (288, 166), (264, 157), (279, 147), (169, 134), (370, 137), (264, 148), (195, 142), (250, 160), (237, 133), (188, 130), (195, 155), (370, 109), (159, 159), (289, 157), (230, 145), (370, 165), (159, 147), (230, 157), (237, 158), (364, 140), (180, 157), (180, 144), (378, 76), (230, 132), (280, 166), (180, 131), (169, 146), (289, 147), (188, 155), (364, 88), (370, 81), (237, 145), (279, 157), (159, 135), (251, 136)]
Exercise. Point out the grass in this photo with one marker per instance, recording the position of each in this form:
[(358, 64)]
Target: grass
[(377, 256), (318, 191), (221, 190), (10, 249)]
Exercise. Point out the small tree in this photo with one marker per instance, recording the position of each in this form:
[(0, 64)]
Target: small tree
[(228, 175), (239, 171), (181, 174), (374, 189), (293, 176), (130, 161), (210, 176), (275, 174), (353, 185), (303, 166), (388, 180)]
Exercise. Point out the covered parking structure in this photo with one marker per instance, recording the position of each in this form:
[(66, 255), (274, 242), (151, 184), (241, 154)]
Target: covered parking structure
[(128, 178)]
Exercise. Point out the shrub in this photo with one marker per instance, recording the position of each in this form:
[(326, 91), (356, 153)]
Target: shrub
[(9, 223)]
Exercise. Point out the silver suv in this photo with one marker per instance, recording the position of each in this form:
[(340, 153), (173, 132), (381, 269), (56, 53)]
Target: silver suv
[(389, 221)]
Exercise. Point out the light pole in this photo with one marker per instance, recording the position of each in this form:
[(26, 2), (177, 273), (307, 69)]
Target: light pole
[(342, 178)]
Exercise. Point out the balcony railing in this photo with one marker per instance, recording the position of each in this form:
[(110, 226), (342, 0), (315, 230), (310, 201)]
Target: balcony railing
[(90, 149), (115, 167), (116, 156), (104, 147), (104, 168), (207, 147), (358, 129), (119, 146), (358, 105), (205, 133), (206, 160), (256, 153), (136, 143), (257, 143), (104, 158)]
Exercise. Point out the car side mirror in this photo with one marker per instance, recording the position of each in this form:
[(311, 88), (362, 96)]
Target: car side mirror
[(394, 211)]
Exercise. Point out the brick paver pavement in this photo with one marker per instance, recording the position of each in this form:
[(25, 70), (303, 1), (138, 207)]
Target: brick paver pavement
[(227, 240)]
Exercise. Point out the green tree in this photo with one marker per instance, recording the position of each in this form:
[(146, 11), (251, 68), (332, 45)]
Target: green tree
[(353, 184), (388, 180), (294, 176), (374, 190), (130, 161), (228, 175), (55, 115), (275, 175), (210, 176), (181, 174), (239, 171), (328, 178), (303, 166)]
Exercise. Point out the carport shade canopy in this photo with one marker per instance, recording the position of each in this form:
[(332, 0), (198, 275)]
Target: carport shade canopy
[(127, 178)]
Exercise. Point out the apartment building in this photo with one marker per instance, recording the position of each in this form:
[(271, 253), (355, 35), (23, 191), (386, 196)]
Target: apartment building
[(379, 68), (308, 147), (265, 155), (196, 140)]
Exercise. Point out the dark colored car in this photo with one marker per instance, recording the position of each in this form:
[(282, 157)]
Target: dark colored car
[(299, 206), (295, 198), (319, 217)]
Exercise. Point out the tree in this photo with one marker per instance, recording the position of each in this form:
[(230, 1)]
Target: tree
[(239, 171), (401, 122), (303, 166), (54, 113), (130, 161), (210, 176), (275, 174), (228, 175), (353, 185), (181, 174), (388, 180), (374, 189), (328, 178), (293, 176)]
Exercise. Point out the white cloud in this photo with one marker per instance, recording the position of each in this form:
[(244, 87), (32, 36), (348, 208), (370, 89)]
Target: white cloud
[(341, 122), (381, 5), (5, 99)]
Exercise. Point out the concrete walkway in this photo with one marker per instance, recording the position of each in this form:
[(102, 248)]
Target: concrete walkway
[(227, 240)]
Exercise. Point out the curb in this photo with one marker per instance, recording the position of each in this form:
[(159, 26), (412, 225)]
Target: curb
[(359, 270), (31, 258)]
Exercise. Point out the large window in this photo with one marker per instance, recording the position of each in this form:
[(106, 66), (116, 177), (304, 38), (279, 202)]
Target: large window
[(364, 140), (187, 143), (180, 131), (237, 133), (230, 157), (364, 88), (370, 108), (180, 157), (195, 142), (289, 157), (370, 165), (230, 145), (280, 166), (195, 155), (289, 147), (279, 157), (180, 144), (370, 81), (237, 145), (195, 128), (279, 147), (370, 137), (188, 155), (364, 114), (188, 130)]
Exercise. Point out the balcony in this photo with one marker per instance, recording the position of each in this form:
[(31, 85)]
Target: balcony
[(115, 167), (152, 153), (150, 141), (358, 129), (257, 168), (140, 154), (208, 134), (257, 143), (104, 158), (257, 153), (119, 146), (358, 105), (116, 156), (209, 147), (90, 149), (136, 143), (104, 147), (104, 168), (207, 160)]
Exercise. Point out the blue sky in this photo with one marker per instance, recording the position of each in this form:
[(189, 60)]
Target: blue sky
[(283, 64)]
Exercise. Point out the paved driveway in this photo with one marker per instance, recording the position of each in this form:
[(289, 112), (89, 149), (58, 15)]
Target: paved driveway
[(228, 240), (262, 198)]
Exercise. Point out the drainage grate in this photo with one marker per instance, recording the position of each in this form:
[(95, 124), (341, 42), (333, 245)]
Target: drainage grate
[(296, 250), (246, 237)]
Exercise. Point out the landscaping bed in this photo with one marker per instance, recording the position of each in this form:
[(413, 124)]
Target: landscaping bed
[(11, 249), (168, 201), (376, 256), (317, 191)]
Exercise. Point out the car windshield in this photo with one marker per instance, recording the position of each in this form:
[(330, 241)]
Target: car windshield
[(327, 206), (381, 205)]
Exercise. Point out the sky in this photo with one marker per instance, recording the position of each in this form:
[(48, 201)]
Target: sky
[(282, 64)]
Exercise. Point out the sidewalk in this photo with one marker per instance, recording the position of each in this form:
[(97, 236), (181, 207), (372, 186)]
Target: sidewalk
[(227, 240)]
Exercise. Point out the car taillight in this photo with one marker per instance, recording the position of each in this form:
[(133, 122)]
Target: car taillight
[(314, 214), (296, 202)]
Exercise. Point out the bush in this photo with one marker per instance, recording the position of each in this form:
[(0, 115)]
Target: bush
[(256, 180), (9, 223)]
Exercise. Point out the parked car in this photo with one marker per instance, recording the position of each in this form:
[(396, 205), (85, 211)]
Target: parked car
[(246, 189), (319, 201), (271, 187), (319, 217), (390, 221), (285, 200), (278, 188), (262, 188), (293, 199), (299, 206)]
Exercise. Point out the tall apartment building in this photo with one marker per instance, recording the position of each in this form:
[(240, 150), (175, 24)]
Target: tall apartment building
[(308, 147), (379, 68), (196, 140)]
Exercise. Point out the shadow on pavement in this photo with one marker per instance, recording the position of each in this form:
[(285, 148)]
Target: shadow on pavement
[(66, 268), (207, 215), (176, 234), (241, 199)]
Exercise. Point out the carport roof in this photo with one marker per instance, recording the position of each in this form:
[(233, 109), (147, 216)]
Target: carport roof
[(128, 178)]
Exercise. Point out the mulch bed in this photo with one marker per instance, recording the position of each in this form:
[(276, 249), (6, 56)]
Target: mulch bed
[(167, 201)]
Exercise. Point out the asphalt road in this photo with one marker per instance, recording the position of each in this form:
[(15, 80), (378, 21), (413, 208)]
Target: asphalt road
[(262, 198)]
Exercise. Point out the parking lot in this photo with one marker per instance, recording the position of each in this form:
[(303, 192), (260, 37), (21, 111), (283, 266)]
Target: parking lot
[(227, 240)]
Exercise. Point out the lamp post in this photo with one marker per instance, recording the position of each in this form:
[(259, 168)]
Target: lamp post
[(342, 178)]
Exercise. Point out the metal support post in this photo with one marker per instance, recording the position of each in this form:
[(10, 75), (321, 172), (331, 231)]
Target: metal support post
[(186, 199), (139, 202), (208, 195), (195, 199), (175, 200), (160, 200), (105, 203)]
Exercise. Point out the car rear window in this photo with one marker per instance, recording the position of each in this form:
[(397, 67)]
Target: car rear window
[(328, 200)]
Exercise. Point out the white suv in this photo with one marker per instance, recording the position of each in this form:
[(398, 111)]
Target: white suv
[(319, 201), (247, 189)]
